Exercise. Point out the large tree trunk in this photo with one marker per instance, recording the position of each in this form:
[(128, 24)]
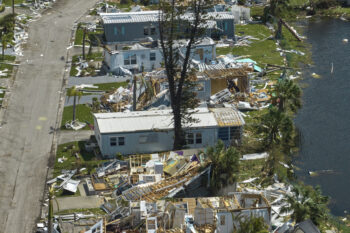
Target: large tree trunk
[(178, 133), (74, 107), (3, 51)]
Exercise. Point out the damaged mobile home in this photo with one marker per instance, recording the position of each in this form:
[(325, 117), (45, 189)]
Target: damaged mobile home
[(152, 131), (148, 56)]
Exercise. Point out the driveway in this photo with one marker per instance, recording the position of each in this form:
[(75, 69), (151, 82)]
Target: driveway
[(25, 139)]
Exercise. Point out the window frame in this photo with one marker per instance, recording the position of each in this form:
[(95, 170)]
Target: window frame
[(199, 138), (115, 141), (188, 138), (152, 56), (119, 141), (145, 31)]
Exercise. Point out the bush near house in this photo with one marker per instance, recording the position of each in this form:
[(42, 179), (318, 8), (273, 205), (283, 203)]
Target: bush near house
[(2, 7)]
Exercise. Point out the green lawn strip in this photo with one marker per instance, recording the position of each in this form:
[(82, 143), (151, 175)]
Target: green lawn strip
[(262, 51), (125, 7), (83, 114), (78, 37), (257, 11), (68, 150), (8, 67), (289, 42), (108, 86), (96, 211), (94, 56), (337, 11), (9, 2)]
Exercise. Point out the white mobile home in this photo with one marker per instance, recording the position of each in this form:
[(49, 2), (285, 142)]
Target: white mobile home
[(148, 56), (152, 131)]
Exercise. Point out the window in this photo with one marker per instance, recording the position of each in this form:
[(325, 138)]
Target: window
[(190, 139), (129, 59), (113, 141), (145, 31), (198, 138), (126, 59), (152, 56), (133, 59), (223, 134), (123, 30), (115, 30), (222, 220), (149, 138), (232, 132), (153, 30), (121, 141), (225, 26)]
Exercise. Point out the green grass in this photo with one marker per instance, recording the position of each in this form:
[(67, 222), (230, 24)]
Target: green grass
[(337, 11), (125, 7), (262, 51), (78, 37), (83, 114), (96, 211), (68, 150), (289, 42), (9, 2), (256, 11), (108, 86), (94, 56)]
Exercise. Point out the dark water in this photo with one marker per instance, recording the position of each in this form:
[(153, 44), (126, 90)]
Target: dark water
[(324, 120)]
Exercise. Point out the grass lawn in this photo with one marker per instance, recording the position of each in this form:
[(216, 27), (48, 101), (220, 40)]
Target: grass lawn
[(9, 2), (68, 150), (78, 37), (262, 51), (83, 114), (108, 86)]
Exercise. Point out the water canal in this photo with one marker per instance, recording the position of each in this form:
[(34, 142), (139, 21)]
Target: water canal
[(324, 120)]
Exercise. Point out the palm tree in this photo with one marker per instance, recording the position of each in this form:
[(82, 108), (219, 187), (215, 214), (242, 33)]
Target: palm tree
[(276, 127), (288, 95), (224, 166), (85, 31), (74, 92), (7, 26), (307, 202)]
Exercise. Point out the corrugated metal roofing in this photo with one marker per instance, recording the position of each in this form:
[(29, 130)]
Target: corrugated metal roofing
[(152, 16), (162, 120), (227, 117)]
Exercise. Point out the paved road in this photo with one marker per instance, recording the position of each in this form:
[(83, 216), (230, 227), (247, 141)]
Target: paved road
[(25, 141)]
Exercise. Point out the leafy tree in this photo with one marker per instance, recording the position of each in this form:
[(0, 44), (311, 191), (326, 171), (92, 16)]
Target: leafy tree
[(288, 95), (177, 65), (252, 225), (276, 9), (276, 127), (6, 25), (307, 203), (95, 104), (76, 94), (224, 166)]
